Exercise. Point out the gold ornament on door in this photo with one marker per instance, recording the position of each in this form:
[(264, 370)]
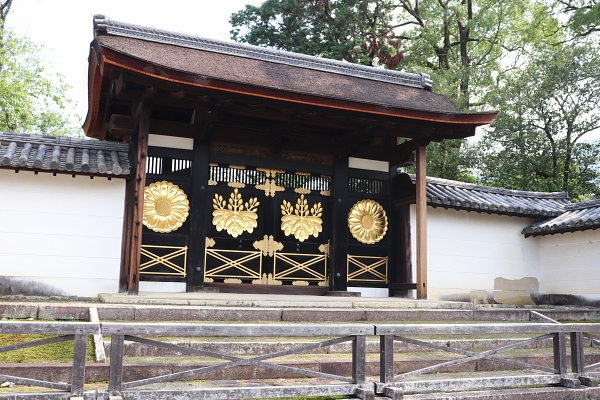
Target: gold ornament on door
[(301, 221), (166, 207), (367, 221), (235, 216)]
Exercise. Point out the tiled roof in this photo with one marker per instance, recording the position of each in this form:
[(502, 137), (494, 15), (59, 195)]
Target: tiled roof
[(576, 217), (272, 69), (61, 154), (260, 53), (470, 197)]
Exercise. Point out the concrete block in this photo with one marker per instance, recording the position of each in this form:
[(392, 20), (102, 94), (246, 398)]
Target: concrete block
[(302, 304), (205, 314), (18, 311), (295, 315), (520, 297), (64, 312), (116, 313), (384, 304), (500, 315), (419, 315), (479, 297)]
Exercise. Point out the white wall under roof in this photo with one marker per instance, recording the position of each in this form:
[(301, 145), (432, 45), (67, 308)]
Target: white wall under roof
[(467, 251), (60, 235), (570, 264)]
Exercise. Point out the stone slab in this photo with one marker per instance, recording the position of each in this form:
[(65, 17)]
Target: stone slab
[(501, 315), (116, 313), (18, 311), (303, 304), (170, 313), (297, 315), (419, 315), (545, 393), (64, 312)]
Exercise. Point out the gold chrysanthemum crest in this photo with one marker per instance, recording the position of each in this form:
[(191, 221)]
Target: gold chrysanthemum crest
[(166, 207), (367, 221), (235, 216), (300, 221)]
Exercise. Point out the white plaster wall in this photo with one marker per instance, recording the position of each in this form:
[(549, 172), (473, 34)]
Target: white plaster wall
[(570, 264), (60, 235), (467, 250)]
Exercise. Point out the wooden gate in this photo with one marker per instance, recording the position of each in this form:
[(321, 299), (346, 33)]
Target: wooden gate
[(267, 227), (165, 237), (369, 218)]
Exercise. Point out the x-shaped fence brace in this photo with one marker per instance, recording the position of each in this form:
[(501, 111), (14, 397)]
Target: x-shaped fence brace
[(472, 356), (233, 361)]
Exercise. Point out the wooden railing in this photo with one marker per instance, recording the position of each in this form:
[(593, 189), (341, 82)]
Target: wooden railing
[(76, 331), (355, 384), (557, 375)]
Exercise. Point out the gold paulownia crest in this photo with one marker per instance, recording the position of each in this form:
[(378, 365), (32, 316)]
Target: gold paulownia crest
[(166, 207), (235, 216), (367, 221), (299, 221)]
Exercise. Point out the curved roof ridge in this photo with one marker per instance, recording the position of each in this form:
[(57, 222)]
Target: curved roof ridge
[(496, 190), (416, 80), (583, 204)]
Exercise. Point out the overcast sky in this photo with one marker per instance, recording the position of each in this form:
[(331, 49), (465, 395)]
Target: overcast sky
[(64, 27)]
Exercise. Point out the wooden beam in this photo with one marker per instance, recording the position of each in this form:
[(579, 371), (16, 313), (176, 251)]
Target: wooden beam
[(421, 196), (138, 196)]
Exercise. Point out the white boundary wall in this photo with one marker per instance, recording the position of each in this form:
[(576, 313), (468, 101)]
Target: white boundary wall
[(468, 250), (60, 235), (570, 264)]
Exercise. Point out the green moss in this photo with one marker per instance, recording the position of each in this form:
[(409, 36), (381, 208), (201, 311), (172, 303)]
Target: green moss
[(61, 352)]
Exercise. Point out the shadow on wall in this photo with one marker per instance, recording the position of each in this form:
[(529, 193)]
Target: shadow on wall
[(26, 287)]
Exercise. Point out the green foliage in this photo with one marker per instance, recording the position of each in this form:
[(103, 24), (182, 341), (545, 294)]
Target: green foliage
[(61, 352), (508, 55), (358, 31), (546, 109), (584, 15), (31, 100)]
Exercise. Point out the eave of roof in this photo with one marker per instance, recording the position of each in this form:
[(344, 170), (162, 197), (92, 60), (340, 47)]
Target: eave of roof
[(51, 154), (471, 197), (576, 217), (260, 72)]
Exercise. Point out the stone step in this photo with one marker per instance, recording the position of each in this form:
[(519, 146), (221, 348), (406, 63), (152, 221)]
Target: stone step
[(187, 313), (134, 349)]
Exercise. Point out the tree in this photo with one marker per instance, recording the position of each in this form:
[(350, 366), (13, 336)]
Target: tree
[(358, 31), (30, 100), (584, 15), (458, 42), (546, 109)]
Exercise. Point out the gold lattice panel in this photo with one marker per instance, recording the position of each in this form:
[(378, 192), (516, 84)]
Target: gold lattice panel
[(300, 267), (171, 260), (367, 269), (232, 264)]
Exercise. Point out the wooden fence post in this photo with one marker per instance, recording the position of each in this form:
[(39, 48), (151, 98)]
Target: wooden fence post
[(577, 360), (78, 369), (116, 364), (559, 343), (386, 358), (359, 358)]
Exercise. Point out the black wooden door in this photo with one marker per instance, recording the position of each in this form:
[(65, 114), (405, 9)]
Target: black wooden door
[(369, 217), (267, 227), (165, 237)]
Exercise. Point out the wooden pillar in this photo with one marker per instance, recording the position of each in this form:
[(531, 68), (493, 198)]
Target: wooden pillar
[(126, 237), (338, 252), (393, 225), (139, 179), (421, 200), (198, 215)]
